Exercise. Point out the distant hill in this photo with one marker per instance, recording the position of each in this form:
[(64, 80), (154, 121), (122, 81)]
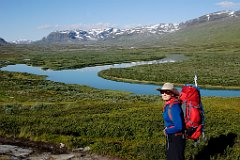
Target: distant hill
[(217, 27), (3, 42), (216, 16), (224, 31)]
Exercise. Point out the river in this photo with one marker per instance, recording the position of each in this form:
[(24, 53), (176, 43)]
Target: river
[(89, 76)]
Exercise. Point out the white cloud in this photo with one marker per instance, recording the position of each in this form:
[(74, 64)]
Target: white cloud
[(74, 26), (228, 4), (47, 26)]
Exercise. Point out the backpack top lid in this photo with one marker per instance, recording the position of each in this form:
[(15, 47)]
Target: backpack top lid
[(190, 94), (192, 85)]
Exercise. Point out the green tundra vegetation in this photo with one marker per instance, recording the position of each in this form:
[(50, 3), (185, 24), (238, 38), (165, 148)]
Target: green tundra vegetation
[(112, 123), (216, 68), (59, 57)]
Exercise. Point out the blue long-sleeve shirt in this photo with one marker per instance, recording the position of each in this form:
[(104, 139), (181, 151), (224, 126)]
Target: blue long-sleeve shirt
[(174, 123)]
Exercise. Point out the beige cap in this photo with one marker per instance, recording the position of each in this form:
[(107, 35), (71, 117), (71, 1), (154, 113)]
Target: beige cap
[(169, 87)]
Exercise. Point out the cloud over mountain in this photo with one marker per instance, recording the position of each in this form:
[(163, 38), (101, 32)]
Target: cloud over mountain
[(74, 26), (228, 4)]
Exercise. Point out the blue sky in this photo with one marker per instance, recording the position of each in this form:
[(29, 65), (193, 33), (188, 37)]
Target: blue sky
[(35, 19)]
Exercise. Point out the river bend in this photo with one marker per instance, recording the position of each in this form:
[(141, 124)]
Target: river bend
[(89, 76)]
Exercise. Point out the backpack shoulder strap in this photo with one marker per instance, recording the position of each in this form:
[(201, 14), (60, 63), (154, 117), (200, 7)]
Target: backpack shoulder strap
[(170, 107)]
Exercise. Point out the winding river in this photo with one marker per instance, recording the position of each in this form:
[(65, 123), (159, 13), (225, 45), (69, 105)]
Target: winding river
[(89, 76)]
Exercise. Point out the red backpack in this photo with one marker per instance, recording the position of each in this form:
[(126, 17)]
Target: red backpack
[(190, 99)]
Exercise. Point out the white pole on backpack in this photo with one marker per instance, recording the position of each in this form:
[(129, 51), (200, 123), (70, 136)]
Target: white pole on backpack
[(195, 79)]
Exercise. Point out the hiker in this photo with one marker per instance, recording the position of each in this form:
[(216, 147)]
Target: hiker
[(174, 122)]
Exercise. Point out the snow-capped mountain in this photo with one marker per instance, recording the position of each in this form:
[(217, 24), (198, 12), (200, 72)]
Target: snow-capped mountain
[(108, 33)]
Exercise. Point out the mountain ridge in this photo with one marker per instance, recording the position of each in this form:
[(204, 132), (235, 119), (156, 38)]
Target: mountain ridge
[(220, 15), (107, 33), (114, 35)]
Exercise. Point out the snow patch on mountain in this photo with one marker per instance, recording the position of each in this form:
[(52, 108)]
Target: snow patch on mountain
[(102, 34)]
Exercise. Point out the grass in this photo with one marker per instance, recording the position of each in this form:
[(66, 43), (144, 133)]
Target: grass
[(111, 123)]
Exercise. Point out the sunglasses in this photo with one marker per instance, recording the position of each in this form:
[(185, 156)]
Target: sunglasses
[(166, 92)]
